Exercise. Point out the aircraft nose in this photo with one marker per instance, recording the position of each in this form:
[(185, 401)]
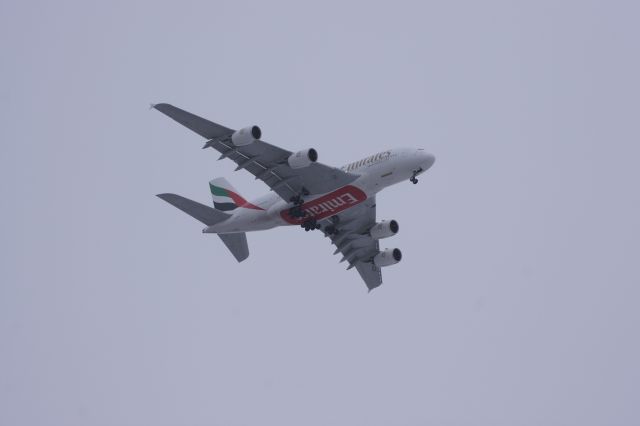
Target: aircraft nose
[(430, 160), (427, 160)]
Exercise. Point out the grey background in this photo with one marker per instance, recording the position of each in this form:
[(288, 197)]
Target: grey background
[(517, 299)]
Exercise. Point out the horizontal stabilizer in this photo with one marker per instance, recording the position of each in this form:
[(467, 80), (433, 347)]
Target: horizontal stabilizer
[(237, 245), (205, 214)]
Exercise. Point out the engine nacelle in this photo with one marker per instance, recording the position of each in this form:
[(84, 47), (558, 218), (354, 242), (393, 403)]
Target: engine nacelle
[(387, 257), (304, 158), (246, 135), (384, 229)]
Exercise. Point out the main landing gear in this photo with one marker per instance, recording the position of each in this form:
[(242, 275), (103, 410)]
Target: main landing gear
[(296, 210), (332, 229), (310, 225)]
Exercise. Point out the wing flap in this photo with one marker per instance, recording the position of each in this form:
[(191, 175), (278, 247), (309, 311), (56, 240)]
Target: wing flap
[(264, 161), (355, 243)]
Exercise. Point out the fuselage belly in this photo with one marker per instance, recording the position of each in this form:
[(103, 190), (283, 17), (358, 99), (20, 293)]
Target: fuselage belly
[(376, 172)]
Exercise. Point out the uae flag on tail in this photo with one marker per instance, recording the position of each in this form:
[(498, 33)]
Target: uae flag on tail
[(226, 198)]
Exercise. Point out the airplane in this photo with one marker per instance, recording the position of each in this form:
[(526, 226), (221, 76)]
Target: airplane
[(339, 202)]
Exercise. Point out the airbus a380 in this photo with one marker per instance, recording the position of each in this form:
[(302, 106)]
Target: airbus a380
[(339, 202)]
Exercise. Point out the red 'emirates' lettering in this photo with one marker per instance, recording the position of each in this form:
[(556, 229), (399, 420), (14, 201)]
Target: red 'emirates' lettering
[(329, 204)]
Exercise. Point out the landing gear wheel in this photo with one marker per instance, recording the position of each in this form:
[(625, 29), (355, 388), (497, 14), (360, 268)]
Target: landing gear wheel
[(310, 224), (413, 176), (331, 230), (296, 212), (297, 200)]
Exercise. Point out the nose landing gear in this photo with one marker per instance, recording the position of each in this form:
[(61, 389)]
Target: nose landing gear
[(413, 178)]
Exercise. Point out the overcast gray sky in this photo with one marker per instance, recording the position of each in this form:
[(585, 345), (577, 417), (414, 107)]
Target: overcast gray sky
[(516, 302)]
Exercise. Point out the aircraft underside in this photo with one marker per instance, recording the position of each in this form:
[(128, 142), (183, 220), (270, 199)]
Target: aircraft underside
[(340, 203)]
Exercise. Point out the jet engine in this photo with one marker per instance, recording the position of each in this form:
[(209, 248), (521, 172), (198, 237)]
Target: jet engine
[(387, 257), (304, 158), (384, 229), (246, 135)]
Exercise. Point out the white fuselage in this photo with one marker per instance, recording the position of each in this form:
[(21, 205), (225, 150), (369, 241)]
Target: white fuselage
[(375, 172)]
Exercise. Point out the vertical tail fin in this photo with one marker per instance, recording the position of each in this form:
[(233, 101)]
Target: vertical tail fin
[(225, 197)]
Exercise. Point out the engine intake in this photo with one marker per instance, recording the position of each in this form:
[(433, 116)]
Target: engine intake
[(387, 257), (384, 229), (246, 135), (304, 158)]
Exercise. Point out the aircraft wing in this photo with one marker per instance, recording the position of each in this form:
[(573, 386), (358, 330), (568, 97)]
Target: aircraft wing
[(263, 160), (355, 244)]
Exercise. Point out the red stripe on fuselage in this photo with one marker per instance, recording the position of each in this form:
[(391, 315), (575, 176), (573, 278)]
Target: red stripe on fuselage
[(328, 205), (241, 202)]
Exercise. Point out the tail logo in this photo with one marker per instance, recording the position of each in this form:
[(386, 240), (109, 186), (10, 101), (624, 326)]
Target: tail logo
[(226, 199)]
